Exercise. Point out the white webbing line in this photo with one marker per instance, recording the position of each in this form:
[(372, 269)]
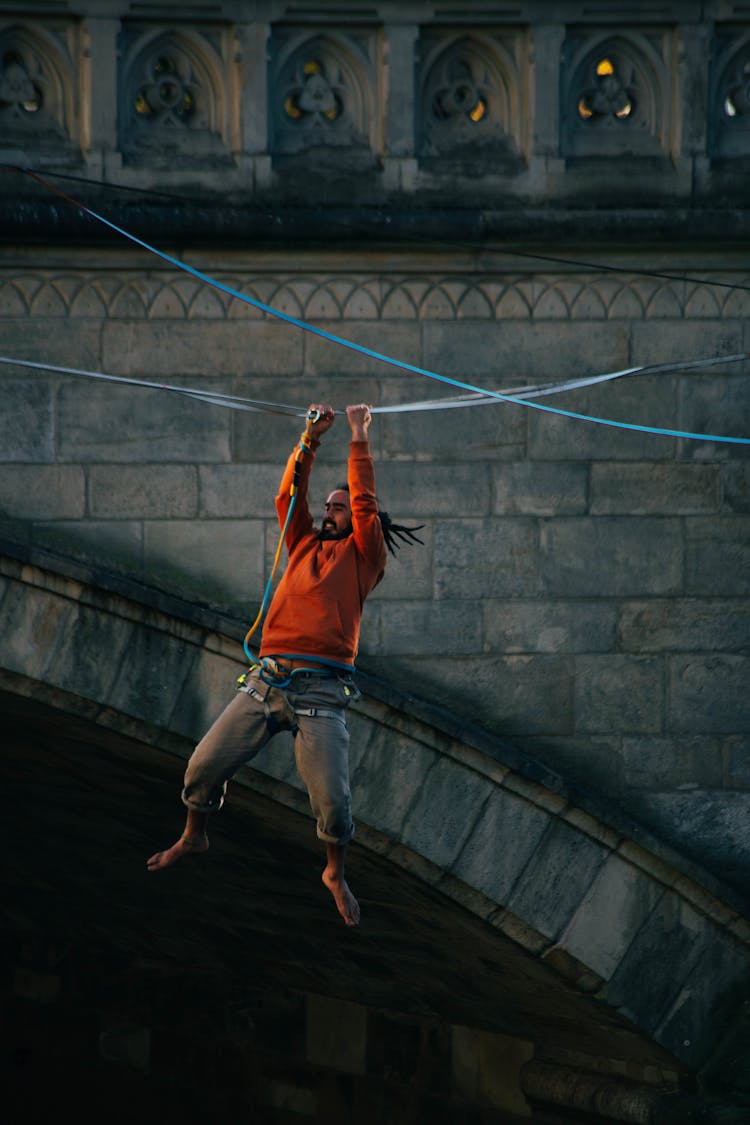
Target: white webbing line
[(238, 402)]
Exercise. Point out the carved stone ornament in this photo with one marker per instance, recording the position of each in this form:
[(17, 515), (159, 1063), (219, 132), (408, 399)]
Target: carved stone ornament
[(321, 93), (615, 100), (35, 87), (729, 117), (173, 93), (470, 99)]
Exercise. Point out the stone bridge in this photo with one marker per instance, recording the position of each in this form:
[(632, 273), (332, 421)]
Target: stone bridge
[(526, 950)]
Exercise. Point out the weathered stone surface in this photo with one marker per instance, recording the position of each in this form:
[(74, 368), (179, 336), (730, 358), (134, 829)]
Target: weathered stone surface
[(738, 760), (515, 696), (142, 491), (724, 963), (161, 427), (548, 626), (566, 862), (708, 693), (408, 576), (540, 489), (237, 491), (640, 400), (693, 761), (323, 357), (718, 406), (43, 492), (447, 804), (408, 626), (592, 761), (164, 666), (545, 352), (474, 558), (717, 557), (501, 842), (668, 490), (494, 432), (662, 957), (222, 556), (610, 915), (387, 771), (204, 694), (618, 693), (423, 491), (665, 341), (735, 479), (710, 821), (616, 557), (26, 422), (157, 351), (688, 624), (114, 543)]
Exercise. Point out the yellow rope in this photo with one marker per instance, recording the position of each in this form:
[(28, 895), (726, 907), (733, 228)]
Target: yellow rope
[(304, 447)]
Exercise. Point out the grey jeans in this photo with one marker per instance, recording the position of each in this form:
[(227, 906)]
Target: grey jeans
[(313, 706)]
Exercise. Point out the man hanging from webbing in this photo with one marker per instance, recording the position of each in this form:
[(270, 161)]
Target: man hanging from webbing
[(303, 680)]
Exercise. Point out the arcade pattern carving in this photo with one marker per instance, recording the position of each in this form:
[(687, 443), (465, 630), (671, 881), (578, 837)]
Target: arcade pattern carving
[(316, 297)]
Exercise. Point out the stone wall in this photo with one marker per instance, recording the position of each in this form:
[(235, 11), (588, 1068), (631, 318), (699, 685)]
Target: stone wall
[(582, 589)]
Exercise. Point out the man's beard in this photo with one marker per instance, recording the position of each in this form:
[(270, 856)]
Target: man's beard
[(329, 531)]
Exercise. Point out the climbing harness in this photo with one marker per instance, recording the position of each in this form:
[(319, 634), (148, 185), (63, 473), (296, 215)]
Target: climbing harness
[(278, 711)]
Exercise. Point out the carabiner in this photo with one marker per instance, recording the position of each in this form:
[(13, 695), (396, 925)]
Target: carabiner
[(313, 415)]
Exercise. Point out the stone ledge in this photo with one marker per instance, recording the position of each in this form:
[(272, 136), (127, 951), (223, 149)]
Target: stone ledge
[(23, 221)]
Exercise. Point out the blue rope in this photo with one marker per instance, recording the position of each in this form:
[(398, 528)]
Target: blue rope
[(269, 584), (379, 355)]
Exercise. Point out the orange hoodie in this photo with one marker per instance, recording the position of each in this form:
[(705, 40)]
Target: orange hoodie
[(316, 610)]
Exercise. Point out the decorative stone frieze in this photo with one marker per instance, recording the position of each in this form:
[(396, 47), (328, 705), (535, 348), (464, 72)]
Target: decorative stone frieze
[(483, 297), (346, 107)]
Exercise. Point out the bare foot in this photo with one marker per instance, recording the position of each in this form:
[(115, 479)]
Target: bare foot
[(186, 845), (346, 903)]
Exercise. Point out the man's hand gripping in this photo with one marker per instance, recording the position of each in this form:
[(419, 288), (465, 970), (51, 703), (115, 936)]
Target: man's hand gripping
[(359, 419), (325, 418)]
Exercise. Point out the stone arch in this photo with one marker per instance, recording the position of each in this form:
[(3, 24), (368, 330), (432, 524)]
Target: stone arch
[(469, 98), (321, 93), (38, 93), (174, 99), (614, 96), (567, 878), (729, 98)]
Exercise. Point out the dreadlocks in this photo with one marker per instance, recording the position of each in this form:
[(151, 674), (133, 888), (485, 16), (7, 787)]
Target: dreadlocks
[(392, 531)]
